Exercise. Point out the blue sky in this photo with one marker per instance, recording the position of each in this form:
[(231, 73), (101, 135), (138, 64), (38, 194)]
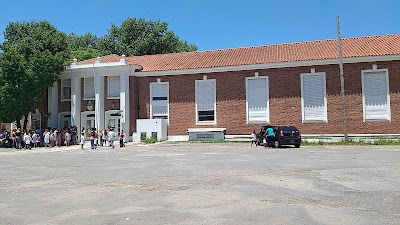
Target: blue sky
[(217, 24)]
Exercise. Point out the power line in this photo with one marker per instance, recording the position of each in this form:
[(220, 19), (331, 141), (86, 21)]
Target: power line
[(151, 8)]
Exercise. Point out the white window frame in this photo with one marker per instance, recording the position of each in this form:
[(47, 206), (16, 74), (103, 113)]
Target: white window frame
[(152, 85), (109, 96), (62, 90), (215, 102), (303, 111), (386, 118), (85, 95), (267, 117)]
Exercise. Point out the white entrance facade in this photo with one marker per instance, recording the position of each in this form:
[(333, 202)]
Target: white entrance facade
[(95, 116)]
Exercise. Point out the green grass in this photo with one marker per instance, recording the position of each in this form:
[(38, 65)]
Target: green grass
[(351, 142), (320, 142)]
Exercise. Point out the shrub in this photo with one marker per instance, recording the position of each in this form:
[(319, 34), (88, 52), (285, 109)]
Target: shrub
[(151, 140)]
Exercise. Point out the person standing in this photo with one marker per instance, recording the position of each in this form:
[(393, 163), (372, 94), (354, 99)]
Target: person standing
[(34, 139), (68, 138), (253, 138), (104, 137), (14, 138), (270, 136), (82, 139), (92, 136), (18, 138), (27, 140), (111, 138), (122, 139), (46, 138)]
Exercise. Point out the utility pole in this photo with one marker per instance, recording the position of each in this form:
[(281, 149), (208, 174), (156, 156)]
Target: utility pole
[(345, 131)]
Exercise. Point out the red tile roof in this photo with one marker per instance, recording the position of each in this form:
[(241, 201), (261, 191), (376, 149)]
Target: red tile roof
[(301, 51)]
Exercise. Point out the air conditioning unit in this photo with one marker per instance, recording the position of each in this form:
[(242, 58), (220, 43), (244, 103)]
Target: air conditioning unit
[(148, 128)]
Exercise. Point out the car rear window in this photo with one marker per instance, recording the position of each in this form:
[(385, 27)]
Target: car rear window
[(288, 128)]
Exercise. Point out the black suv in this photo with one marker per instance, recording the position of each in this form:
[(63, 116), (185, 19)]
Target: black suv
[(284, 135)]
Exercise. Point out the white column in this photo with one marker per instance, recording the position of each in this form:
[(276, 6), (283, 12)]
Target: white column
[(124, 102), (76, 102), (52, 107), (99, 101)]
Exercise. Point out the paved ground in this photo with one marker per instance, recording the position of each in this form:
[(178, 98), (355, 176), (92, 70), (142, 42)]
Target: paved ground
[(201, 184)]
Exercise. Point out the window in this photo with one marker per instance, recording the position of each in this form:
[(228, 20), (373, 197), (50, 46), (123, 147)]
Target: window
[(65, 89), (205, 101), (88, 87), (159, 100), (257, 100), (36, 121), (376, 99), (66, 121), (313, 98), (113, 87)]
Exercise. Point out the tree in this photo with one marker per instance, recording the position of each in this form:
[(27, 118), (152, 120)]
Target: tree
[(34, 54), (140, 37), (83, 47)]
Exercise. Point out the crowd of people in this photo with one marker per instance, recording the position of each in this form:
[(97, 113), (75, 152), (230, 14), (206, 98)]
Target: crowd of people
[(29, 139)]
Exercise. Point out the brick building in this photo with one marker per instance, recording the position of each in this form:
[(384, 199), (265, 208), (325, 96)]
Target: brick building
[(238, 89)]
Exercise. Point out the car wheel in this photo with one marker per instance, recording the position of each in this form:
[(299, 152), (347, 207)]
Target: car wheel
[(297, 146), (277, 144)]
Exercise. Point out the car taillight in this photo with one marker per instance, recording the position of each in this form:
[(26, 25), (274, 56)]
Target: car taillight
[(281, 133)]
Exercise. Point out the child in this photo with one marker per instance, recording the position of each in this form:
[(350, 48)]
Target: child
[(82, 139), (68, 138), (34, 139), (27, 140), (122, 139), (253, 138), (104, 137)]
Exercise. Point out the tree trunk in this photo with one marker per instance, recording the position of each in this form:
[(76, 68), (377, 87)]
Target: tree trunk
[(25, 121), (18, 122)]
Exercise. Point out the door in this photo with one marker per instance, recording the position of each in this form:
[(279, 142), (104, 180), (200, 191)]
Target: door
[(115, 122), (90, 123), (66, 122)]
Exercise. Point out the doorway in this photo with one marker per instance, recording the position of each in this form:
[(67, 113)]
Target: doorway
[(114, 122)]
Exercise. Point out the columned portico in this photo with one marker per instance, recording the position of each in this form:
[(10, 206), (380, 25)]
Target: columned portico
[(97, 116), (53, 105), (76, 102)]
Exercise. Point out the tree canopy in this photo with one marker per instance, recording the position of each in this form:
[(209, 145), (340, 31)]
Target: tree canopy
[(132, 38), (33, 56), (35, 53)]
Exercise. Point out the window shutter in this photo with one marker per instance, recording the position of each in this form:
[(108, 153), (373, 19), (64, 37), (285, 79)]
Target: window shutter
[(114, 86), (205, 95), (159, 101), (257, 100), (375, 92), (89, 87), (314, 97)]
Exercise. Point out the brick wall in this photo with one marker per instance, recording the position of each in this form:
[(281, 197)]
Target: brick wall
[(285, 100)]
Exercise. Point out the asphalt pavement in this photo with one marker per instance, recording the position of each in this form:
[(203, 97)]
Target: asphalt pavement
[(191, 183)]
